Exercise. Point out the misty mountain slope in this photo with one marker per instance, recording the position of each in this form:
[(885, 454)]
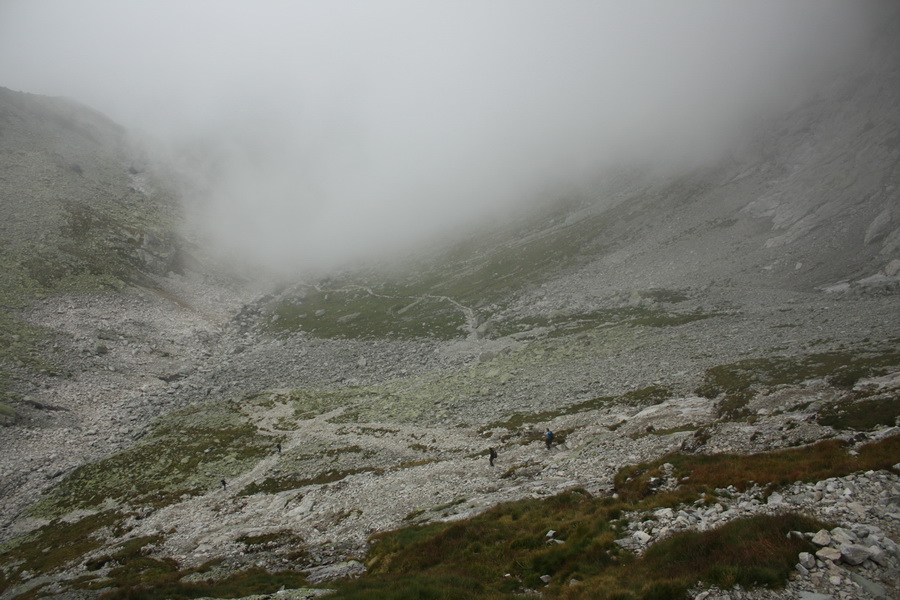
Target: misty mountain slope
[(818, 207), (79, 215), (205, 432), (809, 201), (75, 190)]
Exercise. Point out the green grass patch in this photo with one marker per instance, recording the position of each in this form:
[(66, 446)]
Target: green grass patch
[(865, 414), (750, 552), (740, 381), (152, 582), (666, 319), (129, 569), (567, 324), (55, 546), (415, 586), (571, 324), (188, 452), (519, 420), (650, 395), (480, 273), (294, 481), (274, 485), (414, 515), (310, 403), (360, 314), (505, 551), (665, 295), (700, 473)]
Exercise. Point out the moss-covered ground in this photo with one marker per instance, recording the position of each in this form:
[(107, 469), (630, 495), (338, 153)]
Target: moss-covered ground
[(96, 244), (188, 452), (443, 295), (739, 382)]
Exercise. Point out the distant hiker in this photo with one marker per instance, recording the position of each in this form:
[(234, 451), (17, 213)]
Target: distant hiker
[(224, 487), (278, 446), (548, 437), (493, 456)]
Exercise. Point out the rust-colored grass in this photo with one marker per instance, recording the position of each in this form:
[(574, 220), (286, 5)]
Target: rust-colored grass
[(829, 458)]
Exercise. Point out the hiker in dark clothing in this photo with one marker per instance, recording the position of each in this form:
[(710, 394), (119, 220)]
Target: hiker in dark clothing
[(548, 437), (224, 487), (278, 446), (493, 456)]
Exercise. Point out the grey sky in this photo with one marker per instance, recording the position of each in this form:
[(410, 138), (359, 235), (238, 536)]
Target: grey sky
[(348, 126)]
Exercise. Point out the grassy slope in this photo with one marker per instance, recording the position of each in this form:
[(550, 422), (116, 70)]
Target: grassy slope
[(470, 285)]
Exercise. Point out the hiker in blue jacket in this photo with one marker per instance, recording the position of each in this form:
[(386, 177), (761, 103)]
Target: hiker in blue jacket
[(548, 437)]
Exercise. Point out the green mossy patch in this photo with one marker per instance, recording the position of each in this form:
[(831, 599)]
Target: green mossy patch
[(740, 381), (665, 296), (649, 395), (284, 483), (188, 452), (862, 414), (310, 403), (571, 324), (700, 473), (436, 297), (56, 546), (360, 314), (520, 420), (507, 550)]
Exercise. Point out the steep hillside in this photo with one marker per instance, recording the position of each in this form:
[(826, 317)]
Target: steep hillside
[(718, 352), (80, 213)]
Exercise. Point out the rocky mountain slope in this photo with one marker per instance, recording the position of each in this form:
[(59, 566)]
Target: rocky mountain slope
[(747, 306)]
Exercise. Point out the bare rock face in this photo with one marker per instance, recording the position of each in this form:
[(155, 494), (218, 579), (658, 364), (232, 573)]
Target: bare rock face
[(881, 226)]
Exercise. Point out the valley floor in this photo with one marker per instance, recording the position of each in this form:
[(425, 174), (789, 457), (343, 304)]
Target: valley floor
[(391, 433)]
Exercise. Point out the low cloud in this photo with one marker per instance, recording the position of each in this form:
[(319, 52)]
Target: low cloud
[(331, 131)]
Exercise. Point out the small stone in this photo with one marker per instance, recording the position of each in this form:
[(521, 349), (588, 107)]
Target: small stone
[(876, 590), (855, 554), (807, 560), (858, 508), (879, 556), (828, 553), (839, 535), (822, 538)]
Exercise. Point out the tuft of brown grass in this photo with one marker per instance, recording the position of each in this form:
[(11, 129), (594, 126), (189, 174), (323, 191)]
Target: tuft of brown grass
[(699, 473)]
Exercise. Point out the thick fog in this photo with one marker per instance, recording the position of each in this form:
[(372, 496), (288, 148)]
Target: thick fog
[(325, 131)]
